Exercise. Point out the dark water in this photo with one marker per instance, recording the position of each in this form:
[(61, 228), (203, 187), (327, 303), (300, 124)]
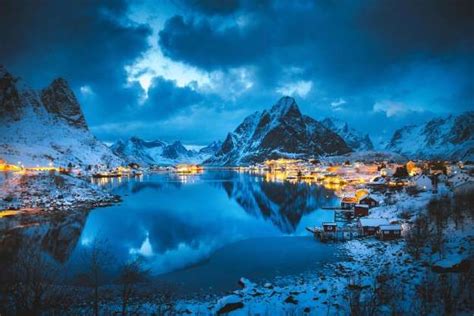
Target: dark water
[(202, 232)]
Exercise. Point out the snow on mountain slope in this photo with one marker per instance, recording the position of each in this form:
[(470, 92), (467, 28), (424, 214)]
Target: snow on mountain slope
[(279, 132), (158, 152), (48, 128), (353, 138), (451, 137)]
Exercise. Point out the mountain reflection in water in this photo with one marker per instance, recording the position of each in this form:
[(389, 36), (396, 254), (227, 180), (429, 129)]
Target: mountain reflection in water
[(175, 222)]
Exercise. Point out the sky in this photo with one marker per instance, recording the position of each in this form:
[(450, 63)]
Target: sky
[(193, 70)]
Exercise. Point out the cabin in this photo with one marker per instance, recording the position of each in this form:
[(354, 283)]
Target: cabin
[(348, 203), (424, 182), (370, 201), (361, 210), (369, 226), (388, 232), (329, 227)]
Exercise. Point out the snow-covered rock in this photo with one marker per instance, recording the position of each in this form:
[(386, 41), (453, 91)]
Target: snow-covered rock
[(38, 130), (353, 138), (279, 132), (451, 137)]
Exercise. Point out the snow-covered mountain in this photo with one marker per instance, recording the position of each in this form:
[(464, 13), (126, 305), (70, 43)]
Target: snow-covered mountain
[(38, 128), (281, 131), (451, 137), (353, 138), (158, 152)]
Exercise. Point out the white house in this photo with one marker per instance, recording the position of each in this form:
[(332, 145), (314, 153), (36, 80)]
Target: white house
[(423, 182)]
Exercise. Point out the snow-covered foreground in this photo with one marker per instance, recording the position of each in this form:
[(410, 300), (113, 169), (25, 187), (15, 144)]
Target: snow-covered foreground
[(51, 192), (376, 278)]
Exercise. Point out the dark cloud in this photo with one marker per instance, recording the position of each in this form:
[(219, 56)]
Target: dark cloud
[(419, 54), (199, 42), (344, 44), (165, 99), (86, 42), (211, 7)]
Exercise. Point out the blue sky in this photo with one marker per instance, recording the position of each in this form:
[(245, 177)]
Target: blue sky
[(192, 70)]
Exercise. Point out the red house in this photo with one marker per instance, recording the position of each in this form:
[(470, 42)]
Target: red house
[(348, 203), (361, 210), (329, 227), (369, 226), (370, 201), (389, 232)]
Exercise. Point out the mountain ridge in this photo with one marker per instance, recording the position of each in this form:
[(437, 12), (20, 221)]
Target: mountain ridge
[(280, 132), (449, 137), (39, 128)]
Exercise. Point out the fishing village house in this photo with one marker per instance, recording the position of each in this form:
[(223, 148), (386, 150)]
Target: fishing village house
[(369, 226), (329, 227), (348, 202), (388, 232), (369, 200), (423, 182), (361, 210)]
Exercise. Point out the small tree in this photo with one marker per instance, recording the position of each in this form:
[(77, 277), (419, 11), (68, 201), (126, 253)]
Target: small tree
[(417, 236), (130, 276), (95, 258)]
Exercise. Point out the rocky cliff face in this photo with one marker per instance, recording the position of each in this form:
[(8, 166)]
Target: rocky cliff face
[(450, 137), (279, 132), (353, 138), (48, 128), (60, 101)]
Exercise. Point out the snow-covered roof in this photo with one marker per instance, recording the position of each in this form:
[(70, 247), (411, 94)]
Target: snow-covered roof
[(390, 227), (368, 196), (373, 222), (362, 205)]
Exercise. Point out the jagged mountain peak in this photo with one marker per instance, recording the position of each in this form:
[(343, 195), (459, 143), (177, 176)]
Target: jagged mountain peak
[(283, 106), (281, 131), (59, 99), (48, 128)]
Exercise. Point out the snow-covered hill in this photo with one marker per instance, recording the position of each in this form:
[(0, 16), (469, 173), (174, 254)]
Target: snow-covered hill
[(281, 131), (158, 152), (451, 137), (38, 128), (353, 138)]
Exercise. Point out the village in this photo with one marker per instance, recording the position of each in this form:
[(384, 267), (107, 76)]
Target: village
[(363, 186), (375, 216)]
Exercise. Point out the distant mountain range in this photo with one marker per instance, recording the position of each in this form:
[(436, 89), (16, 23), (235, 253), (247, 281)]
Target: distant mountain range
[(279, 132), (451, 137), (48, 126), (158, 152), (42, 127)]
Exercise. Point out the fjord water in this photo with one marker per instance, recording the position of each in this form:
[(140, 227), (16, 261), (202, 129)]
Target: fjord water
[(205, 231), (200, 232)]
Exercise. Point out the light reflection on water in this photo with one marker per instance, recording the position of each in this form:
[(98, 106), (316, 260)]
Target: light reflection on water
[(196, 229)]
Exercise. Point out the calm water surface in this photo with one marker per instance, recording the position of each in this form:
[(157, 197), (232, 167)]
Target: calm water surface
[(203, 232)]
